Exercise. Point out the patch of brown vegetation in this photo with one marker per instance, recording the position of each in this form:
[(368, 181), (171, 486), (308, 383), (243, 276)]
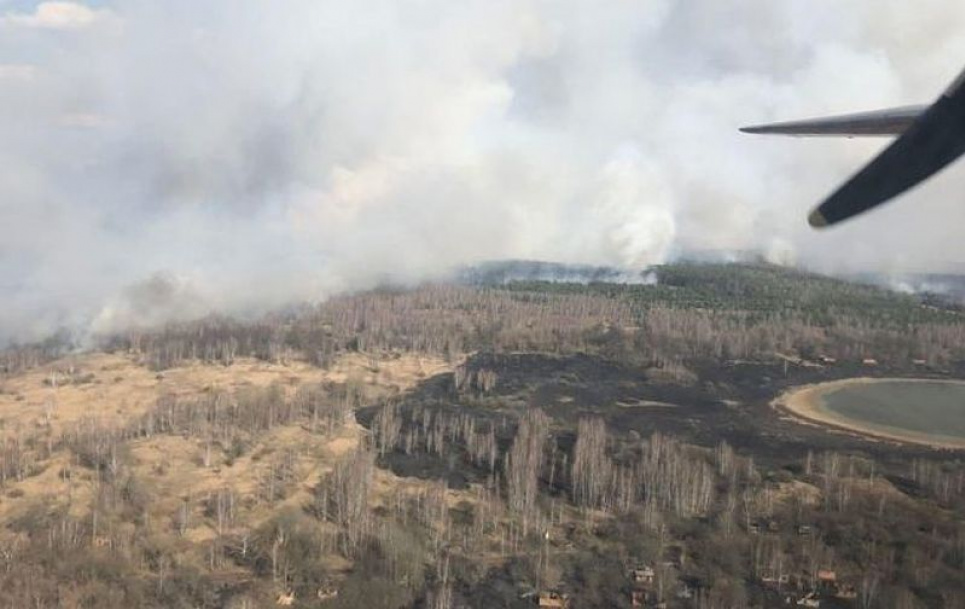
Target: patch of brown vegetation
[(114, 389), (797, 491)]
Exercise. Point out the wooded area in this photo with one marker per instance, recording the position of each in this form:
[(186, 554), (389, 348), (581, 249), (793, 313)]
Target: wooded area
[(474, 489), (715, 312)]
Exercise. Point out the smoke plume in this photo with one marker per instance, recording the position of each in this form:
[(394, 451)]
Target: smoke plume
[(165, 159)]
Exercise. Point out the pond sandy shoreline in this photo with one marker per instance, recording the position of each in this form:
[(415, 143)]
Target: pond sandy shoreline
[(806, 403)]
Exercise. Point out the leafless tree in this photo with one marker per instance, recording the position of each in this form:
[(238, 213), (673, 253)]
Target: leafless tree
[(524, 465)]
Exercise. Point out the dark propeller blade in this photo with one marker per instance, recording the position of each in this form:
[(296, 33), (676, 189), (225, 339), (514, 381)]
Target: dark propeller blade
[(932, 142)]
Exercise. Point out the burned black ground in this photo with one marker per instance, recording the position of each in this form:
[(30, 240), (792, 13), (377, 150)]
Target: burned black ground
[(731, 403)]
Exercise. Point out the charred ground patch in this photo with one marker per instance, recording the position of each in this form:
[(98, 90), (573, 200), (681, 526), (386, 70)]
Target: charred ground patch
[(723, 403)]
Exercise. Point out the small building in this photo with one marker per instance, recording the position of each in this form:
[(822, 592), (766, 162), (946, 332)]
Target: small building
[(919, 362), (644, 598), (773, 578), (767, 526), (553, 600), (869, 361), (643, 575), (809, 600), (824, 359), (827, 576)]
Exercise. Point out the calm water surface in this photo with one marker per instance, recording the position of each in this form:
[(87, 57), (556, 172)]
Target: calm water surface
[(926, 407)]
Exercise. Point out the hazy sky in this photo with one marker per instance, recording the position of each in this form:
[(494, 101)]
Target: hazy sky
[(164, 159)]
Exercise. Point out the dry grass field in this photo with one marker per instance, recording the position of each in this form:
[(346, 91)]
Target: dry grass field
[(177, 478)]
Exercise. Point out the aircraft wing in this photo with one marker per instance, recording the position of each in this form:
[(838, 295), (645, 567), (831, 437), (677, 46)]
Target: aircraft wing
[(933, 141), (893, 121), (929, 139)]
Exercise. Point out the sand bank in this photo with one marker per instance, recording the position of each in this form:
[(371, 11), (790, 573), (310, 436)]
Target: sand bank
[(806, 402)]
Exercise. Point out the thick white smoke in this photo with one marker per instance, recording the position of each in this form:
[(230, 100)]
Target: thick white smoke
[(238, 155)]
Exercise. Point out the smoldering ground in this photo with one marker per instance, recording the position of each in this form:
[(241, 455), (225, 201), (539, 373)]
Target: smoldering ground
[(252, 153)]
